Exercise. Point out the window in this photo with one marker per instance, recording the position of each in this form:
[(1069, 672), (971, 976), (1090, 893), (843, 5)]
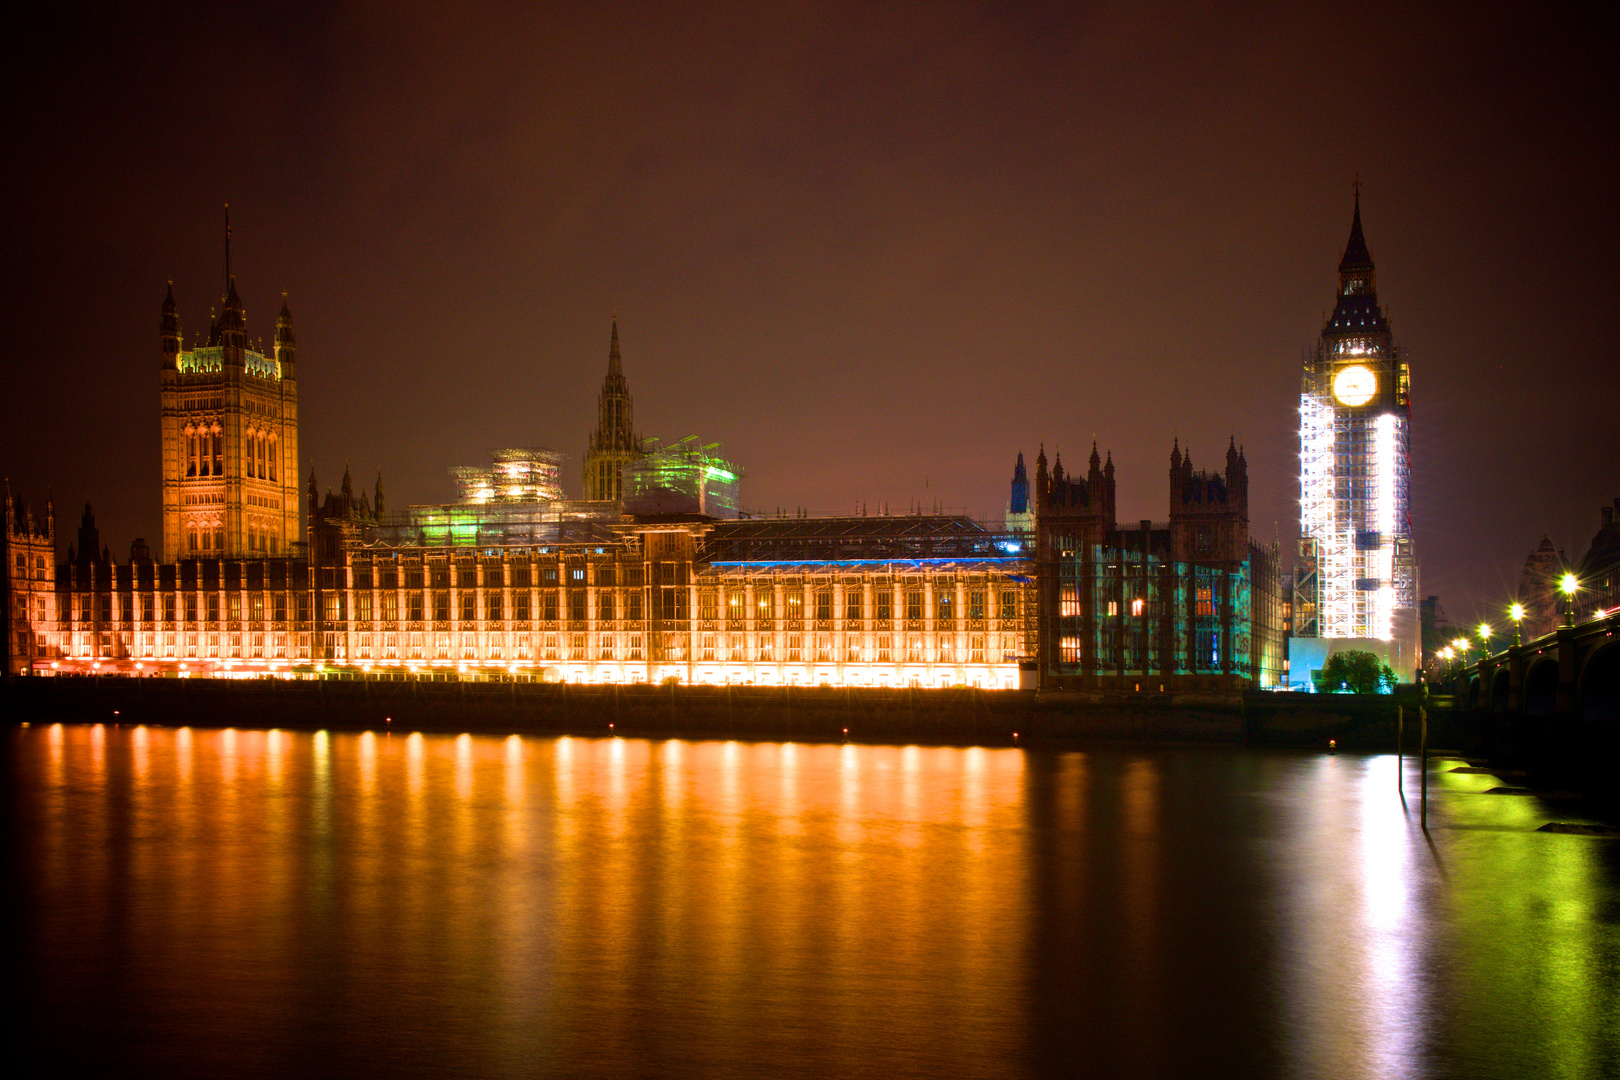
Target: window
[(390, 606), (605, 647), (795, 648), (441, 606), (852, 605), (976, 604), (706, 647), (632, 606), (735, 606), (765, 603), (362, 606), (795, 606), (734, 648), (1009, 604), (548, 606), (914, 606), (520, 605), (824, 605), (493, 607), (576, 606), (604, 607), (976, 649), (944, 607), (885, 605), (219, 456), (469, 607), (707, 605)]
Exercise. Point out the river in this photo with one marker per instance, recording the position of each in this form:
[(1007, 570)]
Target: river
[(269, 903)]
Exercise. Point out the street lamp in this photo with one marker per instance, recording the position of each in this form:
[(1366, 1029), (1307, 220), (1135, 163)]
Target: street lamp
[(1568, 586), (1516, 613), (1484, 640)]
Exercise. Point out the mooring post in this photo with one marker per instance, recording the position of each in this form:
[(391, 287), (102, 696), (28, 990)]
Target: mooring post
[(1423, 756), (1400, 744)]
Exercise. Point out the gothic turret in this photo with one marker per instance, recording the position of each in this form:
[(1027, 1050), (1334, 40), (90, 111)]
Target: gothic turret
[(1019, 502), (377, 503), (286, 341), (614, 443), (169, 332)]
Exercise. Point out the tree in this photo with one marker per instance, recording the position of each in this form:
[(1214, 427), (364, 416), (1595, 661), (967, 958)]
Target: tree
[(1357, 672)]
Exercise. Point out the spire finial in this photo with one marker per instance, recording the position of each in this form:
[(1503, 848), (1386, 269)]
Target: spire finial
[(227, 248), (613, 349)]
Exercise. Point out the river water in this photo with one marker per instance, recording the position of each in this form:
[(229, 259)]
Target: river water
[(269, 903)]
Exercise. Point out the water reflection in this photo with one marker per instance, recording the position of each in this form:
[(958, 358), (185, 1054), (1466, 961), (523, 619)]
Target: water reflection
[(245, 902)]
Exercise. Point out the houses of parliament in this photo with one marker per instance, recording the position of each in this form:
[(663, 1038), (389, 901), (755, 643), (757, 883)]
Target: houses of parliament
[(656, 575)]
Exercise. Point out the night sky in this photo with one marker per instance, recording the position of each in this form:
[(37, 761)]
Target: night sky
[(873, 250)]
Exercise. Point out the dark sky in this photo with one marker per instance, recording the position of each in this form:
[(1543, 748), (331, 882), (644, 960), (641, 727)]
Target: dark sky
[(873, 249)]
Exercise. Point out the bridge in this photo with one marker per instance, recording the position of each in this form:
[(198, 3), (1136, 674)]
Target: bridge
[(1572, 673)]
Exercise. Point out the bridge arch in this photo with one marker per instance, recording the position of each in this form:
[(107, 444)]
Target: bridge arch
[(1599, 690), (1541, 686), (1473, 693), (1499, 689)]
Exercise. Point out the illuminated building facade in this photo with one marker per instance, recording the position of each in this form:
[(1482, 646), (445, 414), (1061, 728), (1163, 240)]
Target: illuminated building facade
[(1358, 583), (229, 436), (1187, 605), (27, 585)]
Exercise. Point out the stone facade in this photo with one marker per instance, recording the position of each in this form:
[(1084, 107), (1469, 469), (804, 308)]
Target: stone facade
[(230, 438)]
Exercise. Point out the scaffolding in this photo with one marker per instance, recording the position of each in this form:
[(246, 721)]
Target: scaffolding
[(683, 478), (524, 474)]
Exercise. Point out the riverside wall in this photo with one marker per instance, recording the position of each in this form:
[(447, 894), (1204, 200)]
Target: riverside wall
[(809, 714)]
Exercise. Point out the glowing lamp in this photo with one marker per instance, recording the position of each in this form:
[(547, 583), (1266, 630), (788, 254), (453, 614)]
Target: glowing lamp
[(1568, 584), (1484, 632), (1516, 612)]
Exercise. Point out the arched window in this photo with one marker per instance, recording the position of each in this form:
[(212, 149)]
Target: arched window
[(219, 453), (219, 540), (270, 455), (191, 539), (191, 453)]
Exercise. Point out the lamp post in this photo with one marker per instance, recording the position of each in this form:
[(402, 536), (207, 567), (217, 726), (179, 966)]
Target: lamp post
[(1484, 640), (1516, 613), (1567, 586)]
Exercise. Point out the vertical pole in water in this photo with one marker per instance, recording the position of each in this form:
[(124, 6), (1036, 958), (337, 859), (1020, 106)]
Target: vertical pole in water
[(1400, 744), (1423, 755)]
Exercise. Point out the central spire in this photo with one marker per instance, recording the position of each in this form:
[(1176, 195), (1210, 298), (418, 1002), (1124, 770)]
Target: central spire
[(614, 366), (1356, 255)]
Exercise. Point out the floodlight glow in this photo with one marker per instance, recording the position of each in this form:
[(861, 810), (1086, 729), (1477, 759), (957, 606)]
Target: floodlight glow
[(1569, 584), (1484, 632), (1516, 612)]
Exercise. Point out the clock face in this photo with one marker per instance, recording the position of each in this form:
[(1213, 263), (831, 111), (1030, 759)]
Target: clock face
[(1355, 385)]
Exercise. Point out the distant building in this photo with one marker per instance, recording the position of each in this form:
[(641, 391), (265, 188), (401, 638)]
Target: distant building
[(1359, 573), (1191, 604), (1538, 590), (1598, 572)]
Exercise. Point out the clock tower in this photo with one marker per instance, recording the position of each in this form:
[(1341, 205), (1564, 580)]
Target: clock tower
[(1357, 587)]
